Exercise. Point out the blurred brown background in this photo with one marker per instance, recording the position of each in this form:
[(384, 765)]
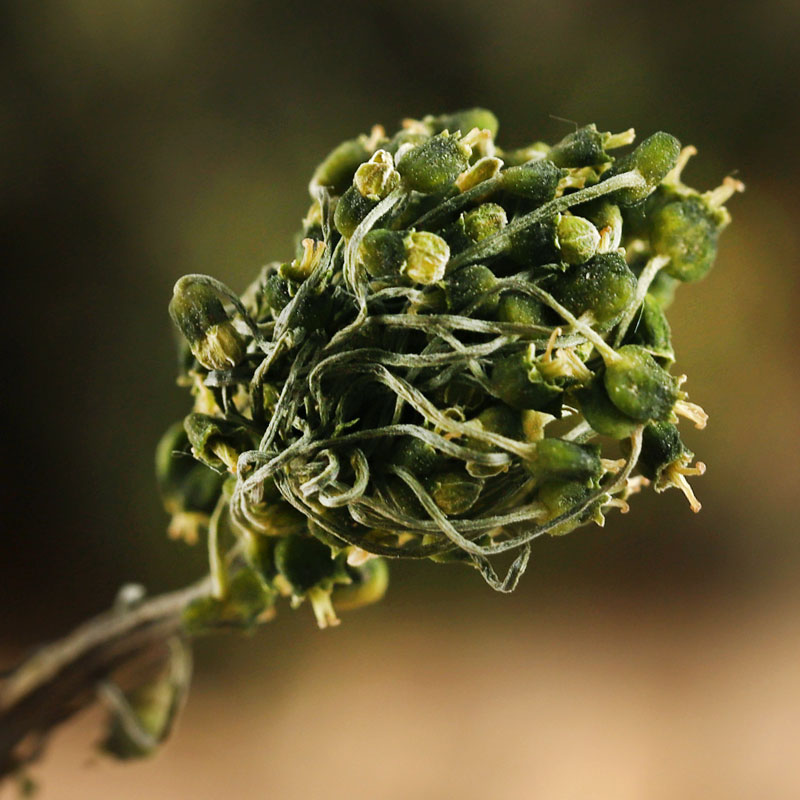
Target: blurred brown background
[(143, 139)]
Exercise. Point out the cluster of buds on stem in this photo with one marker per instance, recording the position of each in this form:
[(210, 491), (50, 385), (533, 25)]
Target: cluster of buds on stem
[(467, 350)]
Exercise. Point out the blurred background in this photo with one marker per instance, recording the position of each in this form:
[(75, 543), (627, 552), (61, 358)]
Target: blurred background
[(144, 139)]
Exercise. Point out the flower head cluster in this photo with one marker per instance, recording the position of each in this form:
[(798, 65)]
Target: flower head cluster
[(468, 350)]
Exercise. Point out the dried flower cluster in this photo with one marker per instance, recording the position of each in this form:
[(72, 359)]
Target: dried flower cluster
[(468, 350)]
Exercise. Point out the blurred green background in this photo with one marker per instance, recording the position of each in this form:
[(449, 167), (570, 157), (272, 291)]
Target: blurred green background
[(144, 139)]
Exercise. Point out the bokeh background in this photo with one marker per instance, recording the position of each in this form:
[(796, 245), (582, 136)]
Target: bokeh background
[(143, 139)]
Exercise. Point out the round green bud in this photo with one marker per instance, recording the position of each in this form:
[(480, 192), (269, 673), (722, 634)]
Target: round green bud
[(351, 210), (516, 380), (485, 220), (502, 420), (383, 253), (556, 459), (559, 497), (376, 178), (369, 582), (465, 121), (604, 417), (536, 181), (687, 231), (434, 165), (652, 159), (522, 309), (304, 562), (173, 463), (426, 256), (584, 147), (454, 492), (416, 456), (650, 329), (276, 294), (603, 285), (216, 442), (338, 167), (405, 136), (578, 239), (196, 309), (467, 285), (638, 386)]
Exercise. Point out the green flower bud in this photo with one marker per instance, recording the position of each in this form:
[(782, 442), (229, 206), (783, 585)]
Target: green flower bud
[(578, 239), (485, 220), (650, 330), (198, 312), (603, 286), (687, 231), (426, 256), (665, 460), (351, 210), (662, 289), (502, 420), (302, 267), (454, 492), (309, 571), (604, 417), (276, 294), (522, 309), (337, 169), (586, 147), (434, 165), (558, 497), (465, 121), (467, 285), (383, 253), (376, 178), (556, 459), (369, 582), (216, 442), (516, 380), (652, 159), (416, 456), (248, 602), (639, 387), (536, 181)]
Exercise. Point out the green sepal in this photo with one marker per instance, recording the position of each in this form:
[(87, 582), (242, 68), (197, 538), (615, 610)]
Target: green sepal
[(516, 380), (465, 121), (560, 497), (338, 167), (557, 459), (210, 436), (537, 181), (467, 285), (604, 417), (351, 210), (651, 330), (584, 147), (383, 253), (368, 584), (454, 492), (652, 159), (434, 165)]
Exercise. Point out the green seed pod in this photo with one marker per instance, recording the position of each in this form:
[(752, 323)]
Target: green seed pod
[(216, 442), (603, 285), (465, 286), (416, 456), (198, 312), (652, 159), (426, 256), (556, 459), (369, 582), (638, 386), (665, 460), (383, 253), (465, 121), (249, 601), (485, 220), (650, 330), (536, 181), (376, 178), (604, 417), (434, 165), (338, 167), (558, 497), (687, 231), (522, 309), (516, 380), (351, 210), (454, 492), (578, 239)]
